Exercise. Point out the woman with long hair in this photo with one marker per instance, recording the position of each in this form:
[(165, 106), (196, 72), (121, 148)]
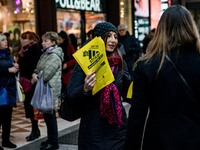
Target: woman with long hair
[(165, 113), (69, 61), (103, 118)]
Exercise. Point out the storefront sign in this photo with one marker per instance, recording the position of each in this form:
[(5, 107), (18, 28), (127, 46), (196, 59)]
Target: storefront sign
[(87, 5)]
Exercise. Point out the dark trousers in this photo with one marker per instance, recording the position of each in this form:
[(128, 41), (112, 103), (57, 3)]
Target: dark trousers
[(5, 122), (27, 103), (52, 127)]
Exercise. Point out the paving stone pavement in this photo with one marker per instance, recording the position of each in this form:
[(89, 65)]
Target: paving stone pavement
[(68, 133)]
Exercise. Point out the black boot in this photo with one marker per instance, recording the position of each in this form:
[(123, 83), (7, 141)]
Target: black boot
[(35, 133), (50, 147), (8, 144)]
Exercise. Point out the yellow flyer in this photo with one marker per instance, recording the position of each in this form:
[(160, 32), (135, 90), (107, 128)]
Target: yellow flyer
[(130, 91), (92, 58)]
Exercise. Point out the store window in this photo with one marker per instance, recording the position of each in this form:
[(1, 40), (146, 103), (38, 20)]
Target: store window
[(92, 19), (69, 21), (69, 15), (17, 16)]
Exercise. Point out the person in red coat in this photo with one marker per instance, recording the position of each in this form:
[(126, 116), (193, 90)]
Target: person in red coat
[(69, 61)]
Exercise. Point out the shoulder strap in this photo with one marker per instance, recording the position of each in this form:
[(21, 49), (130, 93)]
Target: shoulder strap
[(182, 78)]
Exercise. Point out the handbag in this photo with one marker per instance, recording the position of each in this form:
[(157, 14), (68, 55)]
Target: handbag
[(20, 92), (68, 111), (43, 97), (26, 84), (37, 114), (3, 96)]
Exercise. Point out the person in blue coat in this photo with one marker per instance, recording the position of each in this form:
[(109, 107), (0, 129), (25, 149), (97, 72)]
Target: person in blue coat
[(103, 119), (164, 113), (8, 69)]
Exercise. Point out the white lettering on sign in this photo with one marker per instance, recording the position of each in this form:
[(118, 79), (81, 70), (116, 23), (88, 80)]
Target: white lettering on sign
[(80, 4)]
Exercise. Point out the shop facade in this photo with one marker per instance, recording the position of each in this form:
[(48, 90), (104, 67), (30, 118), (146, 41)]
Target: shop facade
[(17, 16), (78, 17), (72, 16)]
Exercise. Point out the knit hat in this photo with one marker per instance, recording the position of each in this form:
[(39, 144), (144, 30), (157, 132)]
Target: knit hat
[(102, 28)]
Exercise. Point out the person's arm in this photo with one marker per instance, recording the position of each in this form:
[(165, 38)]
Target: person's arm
[(6, 70)]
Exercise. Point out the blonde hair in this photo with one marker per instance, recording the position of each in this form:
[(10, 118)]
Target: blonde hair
[(53, 36), (176, 28)]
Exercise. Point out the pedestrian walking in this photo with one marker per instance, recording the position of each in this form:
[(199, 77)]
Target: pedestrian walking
[(165, 113)]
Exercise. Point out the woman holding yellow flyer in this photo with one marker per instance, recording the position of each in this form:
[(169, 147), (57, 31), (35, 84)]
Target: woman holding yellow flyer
[(103, 118)]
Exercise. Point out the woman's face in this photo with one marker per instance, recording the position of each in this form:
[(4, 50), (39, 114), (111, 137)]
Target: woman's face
[(25, 42), (60, 40), (111, 42), (4, 44), (46, 43)]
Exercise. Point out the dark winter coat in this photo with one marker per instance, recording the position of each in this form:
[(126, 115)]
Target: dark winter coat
[(8, 79), (132, 49), (96, 133), (27, 64), (173, 122)]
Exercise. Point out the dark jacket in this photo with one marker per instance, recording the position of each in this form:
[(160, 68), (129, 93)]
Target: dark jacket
[(28, 63), (8, 79), (96, 133), (173, 119), (132, 49)]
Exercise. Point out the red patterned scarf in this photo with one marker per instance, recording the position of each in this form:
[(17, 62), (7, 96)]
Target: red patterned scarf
[(110, 100)]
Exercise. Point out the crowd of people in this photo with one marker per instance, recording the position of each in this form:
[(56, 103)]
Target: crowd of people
[(54, 58), (164, 111)]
